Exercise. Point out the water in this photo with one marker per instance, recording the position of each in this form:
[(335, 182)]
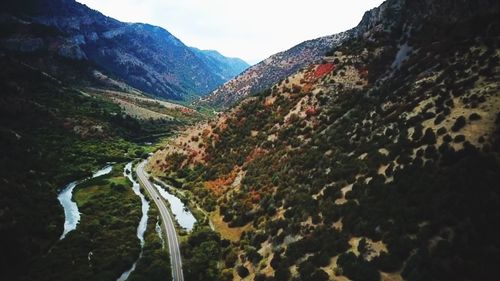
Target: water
[(71, 212), (143, 223), (158, 231), (183, 216)]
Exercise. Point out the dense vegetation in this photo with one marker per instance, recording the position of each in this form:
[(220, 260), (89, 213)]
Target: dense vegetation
[(104, 244), (154, 264), (201, 253), (50, 135), (374, 167)]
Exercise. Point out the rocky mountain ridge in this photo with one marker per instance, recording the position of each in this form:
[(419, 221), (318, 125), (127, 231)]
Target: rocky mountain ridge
[(146, 57)]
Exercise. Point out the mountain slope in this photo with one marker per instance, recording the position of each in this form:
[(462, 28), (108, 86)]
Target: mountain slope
[(266, 73), (146, 57), (380, 162), (277, 67)]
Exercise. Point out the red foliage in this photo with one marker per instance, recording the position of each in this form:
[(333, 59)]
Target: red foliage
[(254, 197), (323, 69), (311, 111), (193, 154)]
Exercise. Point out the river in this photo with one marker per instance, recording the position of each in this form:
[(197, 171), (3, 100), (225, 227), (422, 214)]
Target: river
[(181, 213), (143, 223), (65, 197)]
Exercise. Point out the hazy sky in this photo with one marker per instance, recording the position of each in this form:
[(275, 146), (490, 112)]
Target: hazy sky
[(248, 29)]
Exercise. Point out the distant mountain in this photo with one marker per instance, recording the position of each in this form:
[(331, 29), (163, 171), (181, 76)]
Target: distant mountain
[(146, 57), (226, 68)]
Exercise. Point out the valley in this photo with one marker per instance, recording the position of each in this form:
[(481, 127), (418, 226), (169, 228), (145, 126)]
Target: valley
[(371, 154)]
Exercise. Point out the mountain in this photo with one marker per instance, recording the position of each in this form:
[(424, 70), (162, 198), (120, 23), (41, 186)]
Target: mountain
[(226, 68), (146, 57), (268, 72), (277, 67), (379, 161)]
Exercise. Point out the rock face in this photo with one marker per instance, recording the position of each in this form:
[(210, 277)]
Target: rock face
[(145, 56)]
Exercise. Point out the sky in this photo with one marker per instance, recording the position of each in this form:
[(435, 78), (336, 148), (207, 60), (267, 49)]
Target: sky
[(249, 29)]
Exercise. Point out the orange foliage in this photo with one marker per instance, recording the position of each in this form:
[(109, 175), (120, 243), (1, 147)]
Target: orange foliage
[(220, 185), (257, 152), (205, 132)]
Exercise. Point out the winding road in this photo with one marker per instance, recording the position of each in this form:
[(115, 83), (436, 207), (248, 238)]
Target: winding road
[(168, 223)]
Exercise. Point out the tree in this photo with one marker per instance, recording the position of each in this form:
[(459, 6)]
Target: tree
[(242, 271), (429, 137), (459, 124), (474, 116), (230, 259)]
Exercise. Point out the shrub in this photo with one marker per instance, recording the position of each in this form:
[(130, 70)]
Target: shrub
[(474, 116), (230, 259), (459, 138), (429, 137), (441, 131), (242, 271), (447, 138), (459, 124)]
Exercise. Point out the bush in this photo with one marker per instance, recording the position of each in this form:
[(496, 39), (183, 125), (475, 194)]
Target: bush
[(474, 116), (459, 124), (429, 137), (459, 138), (447, 138), (243, 271), (441, 131), (230, 259), (439, 119)]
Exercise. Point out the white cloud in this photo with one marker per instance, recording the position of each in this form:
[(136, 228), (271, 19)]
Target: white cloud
[(252, 30)]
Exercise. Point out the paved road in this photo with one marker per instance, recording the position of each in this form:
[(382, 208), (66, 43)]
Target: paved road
[(167, 222)]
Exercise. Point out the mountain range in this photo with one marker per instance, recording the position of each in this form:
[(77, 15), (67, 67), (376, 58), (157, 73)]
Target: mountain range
[(146, 57)]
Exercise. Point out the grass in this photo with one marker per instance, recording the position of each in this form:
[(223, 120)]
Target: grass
[(230, 233)]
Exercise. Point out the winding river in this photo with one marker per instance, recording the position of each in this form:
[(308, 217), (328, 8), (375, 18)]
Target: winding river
[(71, 212), (143, 223)]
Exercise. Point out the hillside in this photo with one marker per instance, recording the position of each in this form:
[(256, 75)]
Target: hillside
[(146, 57), (378, 162), (277, 67), (268, 72)]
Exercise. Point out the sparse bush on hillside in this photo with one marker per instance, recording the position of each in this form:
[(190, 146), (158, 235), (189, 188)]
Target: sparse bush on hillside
[(459, 124)]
